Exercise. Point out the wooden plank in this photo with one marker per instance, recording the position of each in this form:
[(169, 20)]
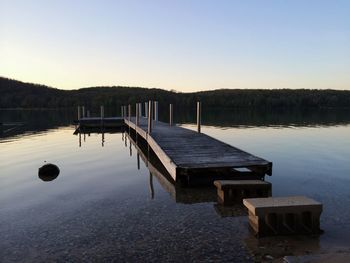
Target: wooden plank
[(180, 148)]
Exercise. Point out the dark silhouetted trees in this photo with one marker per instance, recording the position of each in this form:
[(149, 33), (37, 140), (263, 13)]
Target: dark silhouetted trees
[(17, 94)]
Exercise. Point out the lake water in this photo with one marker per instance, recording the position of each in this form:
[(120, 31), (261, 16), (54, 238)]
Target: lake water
[(103, 207)]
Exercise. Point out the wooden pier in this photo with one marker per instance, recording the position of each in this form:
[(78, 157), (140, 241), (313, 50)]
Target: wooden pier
[(186, 154), (97, 122), (189, 154)]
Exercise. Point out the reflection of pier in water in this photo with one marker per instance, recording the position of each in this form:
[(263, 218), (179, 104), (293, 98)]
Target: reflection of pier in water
[(83, 131), (181, 194)]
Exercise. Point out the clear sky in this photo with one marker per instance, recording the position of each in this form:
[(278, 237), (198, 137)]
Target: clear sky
[(186, 45)]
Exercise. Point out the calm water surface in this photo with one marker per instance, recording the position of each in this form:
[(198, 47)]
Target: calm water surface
[(103, 207)]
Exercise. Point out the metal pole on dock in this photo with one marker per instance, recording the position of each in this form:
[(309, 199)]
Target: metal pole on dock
[(146, 109), (78, 113), (198, 116), (150, 117), (102, 112), (155, 110), (140, 110), (137, 114), (171, 114)]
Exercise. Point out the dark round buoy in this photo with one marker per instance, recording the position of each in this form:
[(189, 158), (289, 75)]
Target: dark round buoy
[(48, 172)]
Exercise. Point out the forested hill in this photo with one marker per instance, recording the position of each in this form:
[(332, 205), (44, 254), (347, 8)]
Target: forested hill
[(17, 94)]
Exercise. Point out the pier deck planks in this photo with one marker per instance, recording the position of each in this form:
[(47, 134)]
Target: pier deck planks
[(181, 149)]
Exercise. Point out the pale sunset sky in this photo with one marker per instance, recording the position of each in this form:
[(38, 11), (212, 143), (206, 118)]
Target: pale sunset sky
[(186, 45)]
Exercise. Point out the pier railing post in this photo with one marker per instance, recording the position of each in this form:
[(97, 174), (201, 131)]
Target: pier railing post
[(129, 111), (102, 112), (78, 113), (146, 109), (198, 116), (83, 111), (122, 111), (150, 117), (155, 111), (137, 114), (140, 110), (171, 114)]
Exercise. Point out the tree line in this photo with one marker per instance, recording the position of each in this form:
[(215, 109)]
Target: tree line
[(17, 94)]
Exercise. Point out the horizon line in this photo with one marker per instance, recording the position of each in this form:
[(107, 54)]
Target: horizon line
[(169, 90)]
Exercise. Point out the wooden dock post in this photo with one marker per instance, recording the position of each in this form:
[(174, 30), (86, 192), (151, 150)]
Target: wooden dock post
[(146, 109), (150, 117), (155, 111), (83, 111), (125, 112), (171, 114), (140, 110), (137, 116), (122, 111), (198, 116), (129, 111), (78, 113), (102, 112)]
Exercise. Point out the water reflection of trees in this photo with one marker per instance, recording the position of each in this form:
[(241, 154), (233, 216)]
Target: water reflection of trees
[(234, 117), (36, 121), (42, 120)]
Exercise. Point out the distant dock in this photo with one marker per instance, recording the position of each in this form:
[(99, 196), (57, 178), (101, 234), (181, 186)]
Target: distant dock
[(95, 122)]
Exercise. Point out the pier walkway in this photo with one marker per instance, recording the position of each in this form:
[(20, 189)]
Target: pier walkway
[(185, 152)]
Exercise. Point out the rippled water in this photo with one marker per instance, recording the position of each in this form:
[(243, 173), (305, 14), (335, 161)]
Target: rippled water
[(102, 206)]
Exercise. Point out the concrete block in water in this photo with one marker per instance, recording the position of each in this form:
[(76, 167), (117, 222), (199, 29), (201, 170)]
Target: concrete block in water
[(234, 191), (284, 215)]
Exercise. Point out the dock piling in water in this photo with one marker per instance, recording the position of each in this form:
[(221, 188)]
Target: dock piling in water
[(155, 111), (171, 114), (102, 112), (137, 111), (146, 109), (150, 117), (140, 110), (78, 113), (198, 116)]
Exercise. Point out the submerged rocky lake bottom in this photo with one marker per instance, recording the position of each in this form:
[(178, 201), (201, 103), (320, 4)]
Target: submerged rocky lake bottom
[(108, 204)]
